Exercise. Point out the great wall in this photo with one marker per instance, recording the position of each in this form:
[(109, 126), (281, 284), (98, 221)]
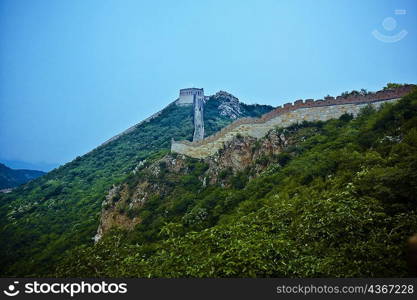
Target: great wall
[(289, 113)]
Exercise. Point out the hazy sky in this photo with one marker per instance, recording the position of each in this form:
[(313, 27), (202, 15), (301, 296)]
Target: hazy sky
[(74, 73)]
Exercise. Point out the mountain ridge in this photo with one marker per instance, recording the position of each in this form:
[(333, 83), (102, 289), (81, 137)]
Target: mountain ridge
[(10, 178)]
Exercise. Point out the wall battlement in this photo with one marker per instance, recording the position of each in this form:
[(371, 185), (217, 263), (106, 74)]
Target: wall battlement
[(283, 116)]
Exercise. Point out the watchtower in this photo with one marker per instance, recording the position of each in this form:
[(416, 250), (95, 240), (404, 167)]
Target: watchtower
[(187, 96)]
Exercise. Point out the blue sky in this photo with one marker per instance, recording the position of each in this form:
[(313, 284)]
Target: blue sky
[(75, 73)]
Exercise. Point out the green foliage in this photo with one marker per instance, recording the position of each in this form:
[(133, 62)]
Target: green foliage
[(283, 158), (240, 179)]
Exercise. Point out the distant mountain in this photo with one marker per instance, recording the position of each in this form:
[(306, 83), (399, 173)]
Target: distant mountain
[(10, 178), (18, 164)]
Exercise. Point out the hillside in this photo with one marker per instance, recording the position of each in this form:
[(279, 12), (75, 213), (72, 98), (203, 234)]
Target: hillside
[(10, 178), (332, 198), (44, 218)]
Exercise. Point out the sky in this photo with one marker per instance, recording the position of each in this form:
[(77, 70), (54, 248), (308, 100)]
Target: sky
[(74, 73)]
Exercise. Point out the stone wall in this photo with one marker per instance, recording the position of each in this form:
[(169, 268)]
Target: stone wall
[(198, 119), (289, 113)]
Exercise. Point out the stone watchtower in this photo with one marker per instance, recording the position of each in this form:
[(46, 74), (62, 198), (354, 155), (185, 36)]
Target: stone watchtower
[(187, 95), (195, 97)]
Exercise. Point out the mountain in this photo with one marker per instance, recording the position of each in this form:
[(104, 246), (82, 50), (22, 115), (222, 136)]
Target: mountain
[(42, 219), (335, 198), (10, 178), (18, 164)]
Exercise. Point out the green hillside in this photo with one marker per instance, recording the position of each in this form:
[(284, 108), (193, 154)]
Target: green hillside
[(339, 201), (44, 218)]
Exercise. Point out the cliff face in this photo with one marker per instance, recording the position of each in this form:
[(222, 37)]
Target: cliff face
[(230, 106), (158, 179)]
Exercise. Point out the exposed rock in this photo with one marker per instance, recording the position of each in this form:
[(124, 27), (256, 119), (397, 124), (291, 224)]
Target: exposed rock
[(230, 106), (112, 211), (235, 155), (139, 166)]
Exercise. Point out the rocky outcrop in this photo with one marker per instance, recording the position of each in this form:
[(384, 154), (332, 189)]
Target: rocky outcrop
[(112, 213), (230, 106), (121, 206), (119, 209)]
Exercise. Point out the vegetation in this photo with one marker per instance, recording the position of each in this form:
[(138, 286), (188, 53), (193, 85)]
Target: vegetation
[(39, 221), (391, 85), (364, 92), (339, 203)]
